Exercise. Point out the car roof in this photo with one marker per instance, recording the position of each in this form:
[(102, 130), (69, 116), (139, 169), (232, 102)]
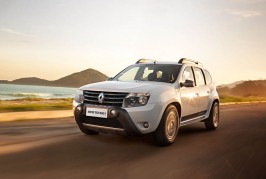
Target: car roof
[(174, 63)]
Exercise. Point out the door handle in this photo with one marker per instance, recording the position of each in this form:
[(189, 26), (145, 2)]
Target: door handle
[(197, 94)]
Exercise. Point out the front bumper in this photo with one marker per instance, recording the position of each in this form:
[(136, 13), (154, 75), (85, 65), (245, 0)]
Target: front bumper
[(120, 124)]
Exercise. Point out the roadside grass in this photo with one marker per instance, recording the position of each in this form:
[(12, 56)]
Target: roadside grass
[(35, 104), (235, 99), (38, 104)]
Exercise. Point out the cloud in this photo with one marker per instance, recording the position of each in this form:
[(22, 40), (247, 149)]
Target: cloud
[(23, 41), (10, 31), (248, 1), (244, 13)]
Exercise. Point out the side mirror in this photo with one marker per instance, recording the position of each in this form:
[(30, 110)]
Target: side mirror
[(187, 83), (110, 79)]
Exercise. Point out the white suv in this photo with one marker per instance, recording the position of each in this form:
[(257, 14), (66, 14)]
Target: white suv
[(149, 97)]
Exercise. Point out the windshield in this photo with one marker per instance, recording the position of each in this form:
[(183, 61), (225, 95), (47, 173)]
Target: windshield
[(149, 72)]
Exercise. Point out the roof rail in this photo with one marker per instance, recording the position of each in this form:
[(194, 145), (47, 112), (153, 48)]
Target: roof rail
[(186, 60), (143, 60)]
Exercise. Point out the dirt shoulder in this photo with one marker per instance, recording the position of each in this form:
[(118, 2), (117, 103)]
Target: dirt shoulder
[(32, 115)]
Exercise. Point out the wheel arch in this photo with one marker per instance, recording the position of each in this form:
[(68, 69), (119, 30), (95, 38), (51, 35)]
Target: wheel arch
[(216, 100), (211, 105), (178, 107)]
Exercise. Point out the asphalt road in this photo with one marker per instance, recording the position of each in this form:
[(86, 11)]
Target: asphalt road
[(56, 149)]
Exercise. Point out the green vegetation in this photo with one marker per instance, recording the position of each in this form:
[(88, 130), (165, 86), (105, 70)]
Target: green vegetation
[(35, 104), (246, 91), (235, 99)]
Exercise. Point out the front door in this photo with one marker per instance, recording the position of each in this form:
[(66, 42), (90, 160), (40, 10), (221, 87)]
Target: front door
[(189, 96)]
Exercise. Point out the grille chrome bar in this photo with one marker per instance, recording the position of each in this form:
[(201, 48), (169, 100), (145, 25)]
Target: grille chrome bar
[(104, 102), (89, 96), (110, 98)]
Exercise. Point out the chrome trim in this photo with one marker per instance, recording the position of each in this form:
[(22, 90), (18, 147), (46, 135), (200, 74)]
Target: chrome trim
[(89, 96), (103, 127), (110, 102), (104, 98), (193, 120), (101, 97)]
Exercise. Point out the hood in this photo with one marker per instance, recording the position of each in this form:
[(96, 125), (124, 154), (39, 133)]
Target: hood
[(118, 86)]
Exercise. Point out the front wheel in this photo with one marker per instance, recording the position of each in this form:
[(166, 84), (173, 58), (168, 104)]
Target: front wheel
[(213, 120), (167, 130)]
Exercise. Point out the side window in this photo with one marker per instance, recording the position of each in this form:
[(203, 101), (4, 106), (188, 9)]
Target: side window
[(187, 75), (159, 74), (148, 71), (145, 74), (199, 77), (208, 77)]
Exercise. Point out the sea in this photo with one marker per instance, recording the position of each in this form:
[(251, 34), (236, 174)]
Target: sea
[(10, 92)]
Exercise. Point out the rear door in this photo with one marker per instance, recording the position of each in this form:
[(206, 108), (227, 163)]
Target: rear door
[(203, 90)]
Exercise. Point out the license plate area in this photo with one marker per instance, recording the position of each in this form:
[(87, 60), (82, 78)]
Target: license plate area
[(97, 112)]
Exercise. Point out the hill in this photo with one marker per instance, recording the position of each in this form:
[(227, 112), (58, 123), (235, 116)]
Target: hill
[(74, 80), (231, 85), (31, 81), (80, 78), (256, 88)]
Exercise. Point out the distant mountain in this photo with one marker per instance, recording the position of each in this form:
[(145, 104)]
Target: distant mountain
[(255, 88), (231, 85), (30, 81), (74, 80), (4, 81), (80, 78)]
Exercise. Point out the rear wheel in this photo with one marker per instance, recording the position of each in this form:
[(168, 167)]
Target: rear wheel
[(213, 120), (167, 130)]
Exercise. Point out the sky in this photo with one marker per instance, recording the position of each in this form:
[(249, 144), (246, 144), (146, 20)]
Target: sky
[(54, 38)]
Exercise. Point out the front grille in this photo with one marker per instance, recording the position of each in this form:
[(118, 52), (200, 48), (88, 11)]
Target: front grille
[(103, 122), (110, 98)]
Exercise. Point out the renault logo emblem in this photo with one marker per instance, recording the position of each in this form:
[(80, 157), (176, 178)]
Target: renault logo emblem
[(101, 98)]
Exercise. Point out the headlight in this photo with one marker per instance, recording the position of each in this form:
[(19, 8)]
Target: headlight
[(79, 96), (136, 99)]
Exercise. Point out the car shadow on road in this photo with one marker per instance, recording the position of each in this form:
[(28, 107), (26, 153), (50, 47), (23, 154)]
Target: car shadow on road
[(185, 131), (193, 129)]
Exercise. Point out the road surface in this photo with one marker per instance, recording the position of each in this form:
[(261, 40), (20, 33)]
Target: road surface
[(56, 149)]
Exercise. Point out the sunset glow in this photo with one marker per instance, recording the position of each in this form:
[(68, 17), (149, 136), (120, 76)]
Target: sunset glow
[(51, 39)]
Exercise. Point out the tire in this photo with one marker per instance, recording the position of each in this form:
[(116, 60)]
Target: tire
[(167, 130), (212, 122)]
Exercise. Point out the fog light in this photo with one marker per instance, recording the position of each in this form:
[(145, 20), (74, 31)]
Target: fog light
[(146, 125), (113, 112), (79, 109)]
